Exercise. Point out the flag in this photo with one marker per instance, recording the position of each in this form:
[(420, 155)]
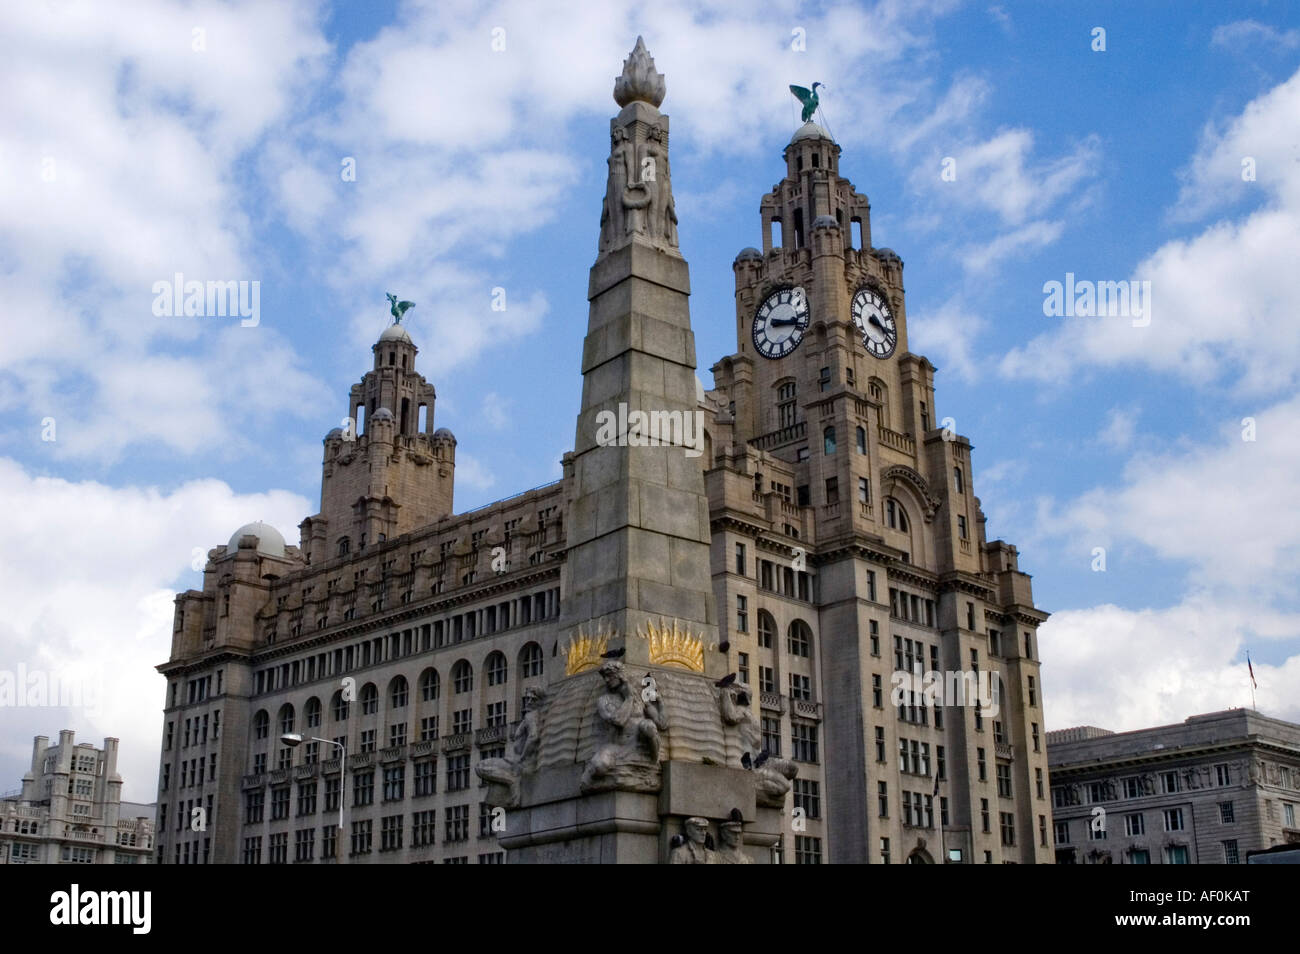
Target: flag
[(936, 785), (1252, 670)]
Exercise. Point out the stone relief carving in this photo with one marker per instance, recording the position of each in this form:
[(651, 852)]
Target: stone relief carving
[(632, 722), (695, 847), (524, 738), (773, 775), (638, 190)]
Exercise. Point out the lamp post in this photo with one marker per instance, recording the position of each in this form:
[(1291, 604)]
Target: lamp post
[(293, 740)]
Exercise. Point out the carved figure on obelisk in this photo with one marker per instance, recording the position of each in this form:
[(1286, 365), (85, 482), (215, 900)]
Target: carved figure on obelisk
[(629, 758), (524, 737), (695, 848), (773, 774), (731, 833), (621, 172), (658, 179)]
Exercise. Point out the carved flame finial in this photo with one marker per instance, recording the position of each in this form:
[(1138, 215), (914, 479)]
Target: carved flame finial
[(640, 80)]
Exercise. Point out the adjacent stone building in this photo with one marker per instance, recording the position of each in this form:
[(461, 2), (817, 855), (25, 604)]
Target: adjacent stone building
[(817, 536), (1204, 791), (70, 810)]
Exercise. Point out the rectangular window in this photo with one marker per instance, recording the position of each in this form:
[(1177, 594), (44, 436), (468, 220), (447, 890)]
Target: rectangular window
[(984, 814), (1062, 832), (457, 823), (390, 833), (1226, 814), (983, 766), (394, 782), (1169, 782), (1008, 828), (882, 798), (807, 850), (807, 795), (880, 744), (742, 614), (458, 773), (1173, 819), (1223, 775), (803, 739), (740, 558), (1134, 825), (1230, 854), (362, 835), (423, 828), (363, 788)]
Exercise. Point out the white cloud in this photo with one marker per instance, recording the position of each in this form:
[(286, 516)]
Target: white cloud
[(1129, 669), (1121, 425), (1223, 301), (949, 334), (1030, 237), (87, 579), (472, 472), (118, 170), (496, 411), (1242, 34)]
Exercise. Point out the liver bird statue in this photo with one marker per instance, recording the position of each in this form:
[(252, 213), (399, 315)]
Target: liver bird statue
[(398, 308), (809, 99)]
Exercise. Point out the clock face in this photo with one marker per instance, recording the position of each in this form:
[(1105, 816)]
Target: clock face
[(875, 322), (780, 322)]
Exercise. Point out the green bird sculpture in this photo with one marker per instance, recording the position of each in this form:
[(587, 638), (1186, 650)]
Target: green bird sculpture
[(809, 99), (398, 308)]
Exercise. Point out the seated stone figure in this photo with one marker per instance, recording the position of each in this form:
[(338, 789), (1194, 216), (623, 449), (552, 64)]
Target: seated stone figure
[(773, 774), (507, 771), (629, 758)]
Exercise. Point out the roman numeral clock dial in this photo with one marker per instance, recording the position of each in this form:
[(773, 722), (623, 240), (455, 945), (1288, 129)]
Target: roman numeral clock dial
[(875, 322), (780, 322)]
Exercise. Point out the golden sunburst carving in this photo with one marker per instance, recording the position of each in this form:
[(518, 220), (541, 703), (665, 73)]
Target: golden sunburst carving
[(584, 650), (674, 646)]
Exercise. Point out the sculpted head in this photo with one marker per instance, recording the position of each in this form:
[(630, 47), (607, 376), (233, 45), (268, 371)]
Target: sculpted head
[(532, 698), (613, 672), (697, 829)]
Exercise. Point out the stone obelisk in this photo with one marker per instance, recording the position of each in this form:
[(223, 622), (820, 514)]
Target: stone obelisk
[(638, 521), (636, 750)]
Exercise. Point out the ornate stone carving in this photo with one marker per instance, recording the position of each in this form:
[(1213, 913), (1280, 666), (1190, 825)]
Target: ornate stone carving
[(673, 646), (585, 650), (773, 775), (632, 721), (640, 80), (731, 834), (695, 847), (523, 753)]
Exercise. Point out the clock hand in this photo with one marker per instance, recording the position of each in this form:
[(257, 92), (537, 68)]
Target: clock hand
[(876, 321), (784, 321)]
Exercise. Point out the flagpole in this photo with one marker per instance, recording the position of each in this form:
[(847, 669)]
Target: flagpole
[(1251, 669), (938, 807)]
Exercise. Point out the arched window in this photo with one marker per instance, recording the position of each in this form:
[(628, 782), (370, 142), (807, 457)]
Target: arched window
[(766, 630), (261, 724), (861, 437), (496, 669), (799, 639), (369, 699), (398, 692), (530, 661), (311, 713), (462, 677), (430, 685), (286, 718), (828, 439), (895, 515), (339, 707), (345, 546)]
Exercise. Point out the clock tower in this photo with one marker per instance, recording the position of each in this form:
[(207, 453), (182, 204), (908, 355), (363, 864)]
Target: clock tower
[(852, 552)]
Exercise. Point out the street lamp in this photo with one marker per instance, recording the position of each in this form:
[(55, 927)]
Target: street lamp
[(293, 740)]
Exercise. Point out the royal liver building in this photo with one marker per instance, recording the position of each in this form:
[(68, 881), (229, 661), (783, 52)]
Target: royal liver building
[(757, 624)]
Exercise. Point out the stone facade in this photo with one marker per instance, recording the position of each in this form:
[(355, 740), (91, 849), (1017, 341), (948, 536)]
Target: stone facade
[(818, 537), (70, 810), (1204, 791)]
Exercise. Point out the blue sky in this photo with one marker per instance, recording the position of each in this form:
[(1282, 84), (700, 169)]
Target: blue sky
[(208, 138)]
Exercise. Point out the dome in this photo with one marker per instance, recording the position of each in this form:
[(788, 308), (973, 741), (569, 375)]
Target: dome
[(887, 255), (334, 432), (810, 130), (395, 332), (442, 434), (269, 541), (749, 254), (383, 414), (825, 222)]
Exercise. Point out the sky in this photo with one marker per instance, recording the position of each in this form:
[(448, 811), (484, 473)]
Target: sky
[(454, 153)]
